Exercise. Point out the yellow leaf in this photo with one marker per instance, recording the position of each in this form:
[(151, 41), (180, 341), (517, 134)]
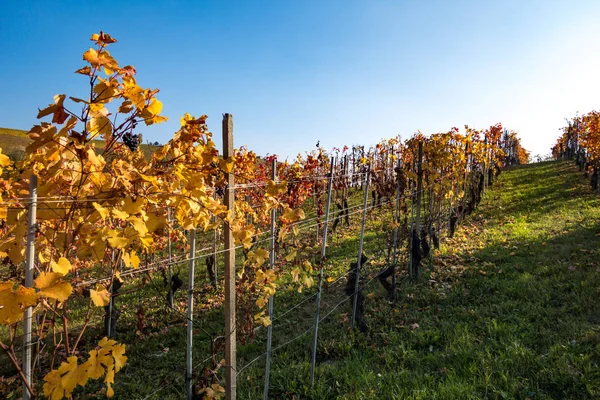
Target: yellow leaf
[(300, 214), (147, 241), (275, 189), (100, 59), (104, 213), (155, 107), (100, 297), (51, 285), (119, 214), (94, 366), (118, 352), (258, 257), (135, 260), (63, 266), (139, 226), (290, 216), (155, 222), (295, 274), (132, 206), (16, 253), (118, 276), (117, 241), (110, 380), (53, 385), (131, 260), (57, 109), (61, 382), (110, 375), (291, 256), (99, 125), (126, 107), (226, 165), (105, 90), (46, 279), (126, 260), (150, 113), (75, 375), (13, 302), (307, 266), (107, 343), (84, 71), (4, 160), (307, 280)]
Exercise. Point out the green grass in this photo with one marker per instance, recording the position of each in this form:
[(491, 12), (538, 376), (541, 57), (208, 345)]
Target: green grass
[(506, 309)]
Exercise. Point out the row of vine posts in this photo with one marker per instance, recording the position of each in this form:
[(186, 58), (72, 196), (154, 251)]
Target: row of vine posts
[(580, 142), (104, 208), (382, 174)]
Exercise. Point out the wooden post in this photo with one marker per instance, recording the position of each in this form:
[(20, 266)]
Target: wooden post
[(29, 256), (229, 273)]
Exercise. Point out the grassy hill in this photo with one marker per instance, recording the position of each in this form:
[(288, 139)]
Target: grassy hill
[(508, 309), (13, 141)]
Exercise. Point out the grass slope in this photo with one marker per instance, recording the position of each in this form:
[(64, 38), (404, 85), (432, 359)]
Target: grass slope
[(509, 309), (504, 310), (12, 140)]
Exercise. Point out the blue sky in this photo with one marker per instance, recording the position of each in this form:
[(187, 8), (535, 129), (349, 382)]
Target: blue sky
[(340, 72)]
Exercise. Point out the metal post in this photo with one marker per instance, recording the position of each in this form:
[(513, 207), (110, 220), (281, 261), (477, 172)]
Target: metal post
[(396, 226), (190, 316), (316, 204), (418, 205), (419, 188), (229, 273), (170, 269), (360, 245), (271, 300), (430, 218), (110, 306), (29, 257), (485, 165), (320, 285)]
